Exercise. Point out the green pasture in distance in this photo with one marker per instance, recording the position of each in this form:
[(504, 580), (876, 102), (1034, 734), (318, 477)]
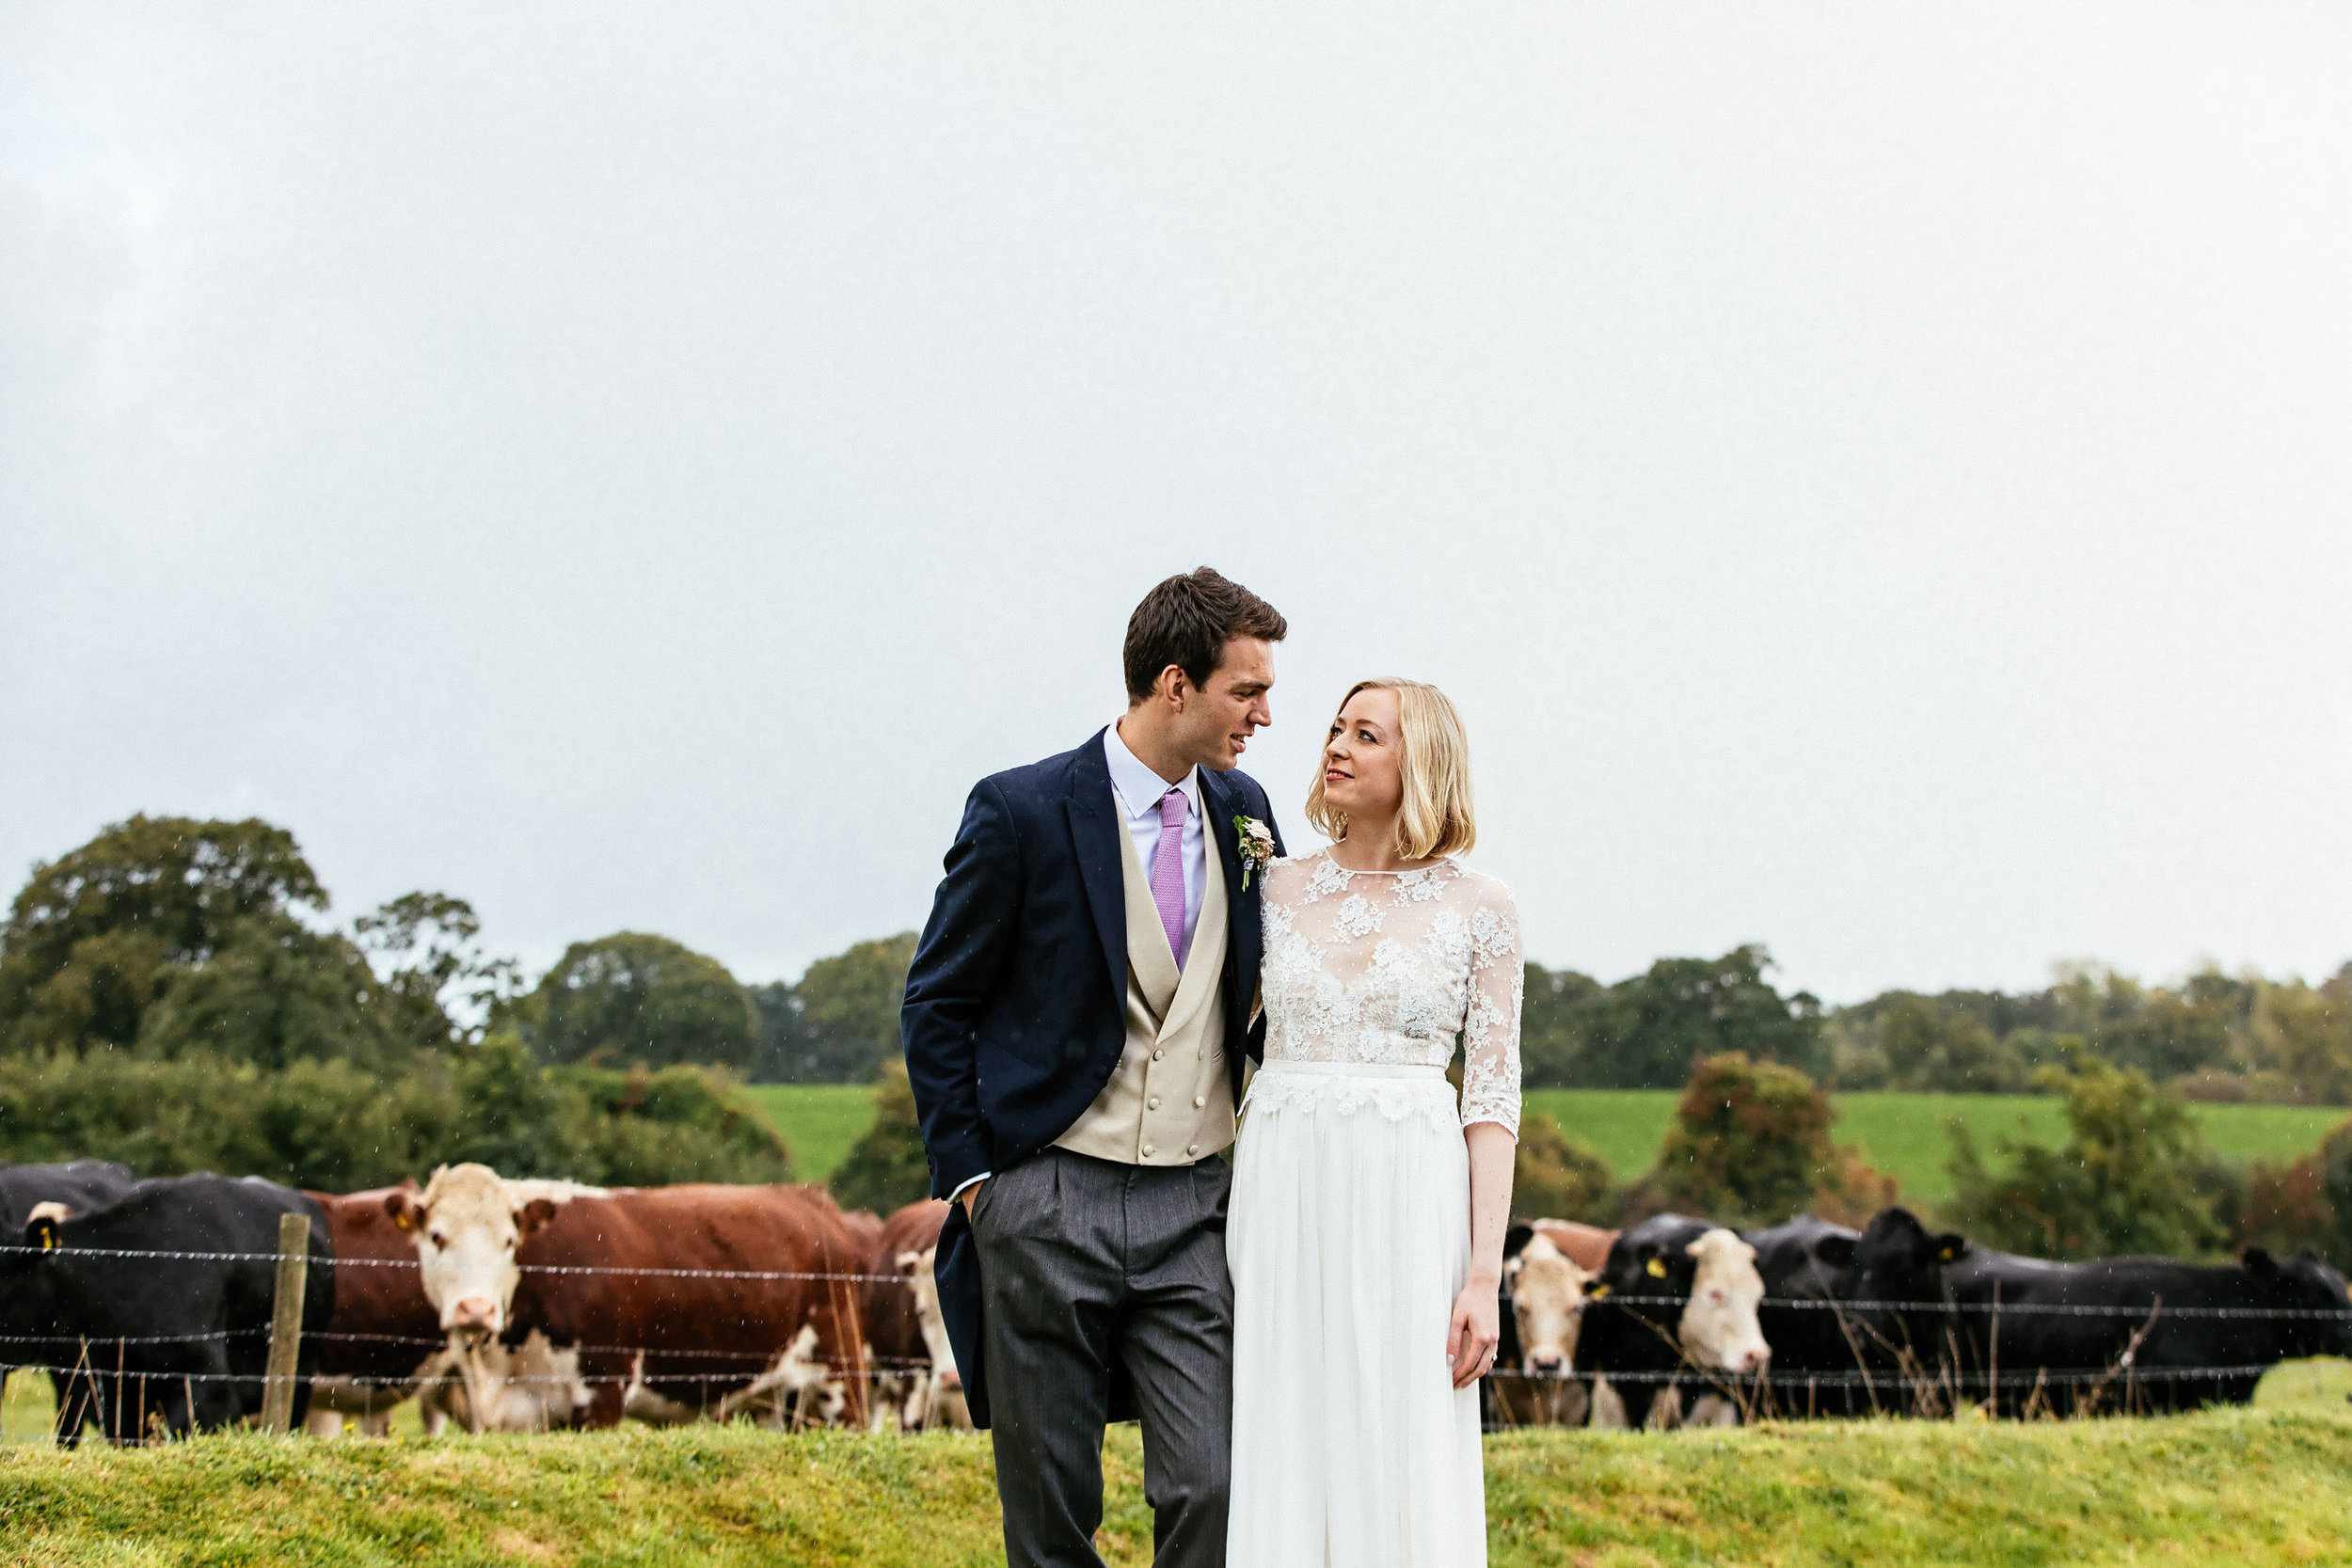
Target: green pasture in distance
[(1905, 1133), (820, 1120)]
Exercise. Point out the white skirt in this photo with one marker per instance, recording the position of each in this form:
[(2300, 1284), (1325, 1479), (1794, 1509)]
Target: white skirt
[(1348, 1238)]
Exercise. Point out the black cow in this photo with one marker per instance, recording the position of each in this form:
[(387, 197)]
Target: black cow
[(80, 1186), (1674, 1316), (2159, 1336), (181, 1342), (1819, 1353)]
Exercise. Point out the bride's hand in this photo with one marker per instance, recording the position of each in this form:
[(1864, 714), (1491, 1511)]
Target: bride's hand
[(1476, 1330)]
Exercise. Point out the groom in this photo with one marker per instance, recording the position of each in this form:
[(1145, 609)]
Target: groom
[(1075, 1020)]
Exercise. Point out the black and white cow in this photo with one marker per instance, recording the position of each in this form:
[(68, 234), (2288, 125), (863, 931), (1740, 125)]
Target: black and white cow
[(2137, 1334), (1673, 1315), (175, 1341), (1542, 1318), (73, 1188)]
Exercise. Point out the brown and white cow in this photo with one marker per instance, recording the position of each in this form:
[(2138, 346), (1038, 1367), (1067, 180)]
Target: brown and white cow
[(911, 1372), (693, 1292), (384, 1330), (1547, 1290)]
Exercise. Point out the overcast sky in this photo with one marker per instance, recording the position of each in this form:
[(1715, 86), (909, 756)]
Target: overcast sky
[(1878, 480)]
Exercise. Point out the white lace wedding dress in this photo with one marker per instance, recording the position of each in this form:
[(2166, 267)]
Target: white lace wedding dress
[(1348, 1228)]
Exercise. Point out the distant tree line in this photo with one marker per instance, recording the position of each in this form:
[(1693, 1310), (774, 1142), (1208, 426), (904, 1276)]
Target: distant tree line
[(172, 996)]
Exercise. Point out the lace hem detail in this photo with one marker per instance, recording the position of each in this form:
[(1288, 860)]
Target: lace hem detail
[(1395, 1099)]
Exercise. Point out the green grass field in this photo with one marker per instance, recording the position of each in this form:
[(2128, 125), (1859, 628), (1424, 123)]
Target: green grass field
[(1905, 1133), (820, 1120), (2259, 1486)]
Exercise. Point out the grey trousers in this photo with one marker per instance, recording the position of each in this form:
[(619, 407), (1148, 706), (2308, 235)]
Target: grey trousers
[(1086, 1265)]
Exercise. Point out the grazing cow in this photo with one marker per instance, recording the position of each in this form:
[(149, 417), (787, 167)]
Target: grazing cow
[(384, 1330), (2157, 1336), (1533, 1385), (907, 1376), (70, 1189), (695, 1292), (176, 1343), (1691, 1320)]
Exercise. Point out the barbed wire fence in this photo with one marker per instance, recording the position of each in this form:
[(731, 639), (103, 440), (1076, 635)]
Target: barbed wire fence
[(80, 1364)]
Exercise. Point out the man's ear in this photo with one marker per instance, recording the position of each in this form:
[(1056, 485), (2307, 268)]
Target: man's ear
[(535, 1215)]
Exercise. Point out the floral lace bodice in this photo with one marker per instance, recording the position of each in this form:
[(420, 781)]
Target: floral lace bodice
[(1388, 967)]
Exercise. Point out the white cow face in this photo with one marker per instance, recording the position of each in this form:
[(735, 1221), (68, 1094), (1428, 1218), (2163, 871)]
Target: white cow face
[(943, 1353), (1719, 1328), (1548, 1301), (468, 1227)]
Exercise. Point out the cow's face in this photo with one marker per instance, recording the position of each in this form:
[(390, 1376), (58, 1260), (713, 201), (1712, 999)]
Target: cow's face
[(1899, 1259), (1719, 1326), (1548, 1305), (468, 1229), (927, 1312)]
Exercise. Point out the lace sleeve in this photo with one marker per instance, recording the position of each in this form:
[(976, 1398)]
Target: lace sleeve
[(1490, 1023)]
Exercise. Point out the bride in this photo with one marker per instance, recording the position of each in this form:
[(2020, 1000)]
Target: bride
[(1365, 1228)]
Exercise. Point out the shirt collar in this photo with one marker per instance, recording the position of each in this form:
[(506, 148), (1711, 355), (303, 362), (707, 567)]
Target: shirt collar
[(1138, 787)]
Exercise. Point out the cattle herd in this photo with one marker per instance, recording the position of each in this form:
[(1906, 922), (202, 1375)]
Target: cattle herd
[(528, 1305), (1677, 1321)]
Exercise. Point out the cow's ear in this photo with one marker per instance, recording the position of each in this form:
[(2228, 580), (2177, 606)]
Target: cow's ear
[(1837, 1251), (910, 1261), (40, 1232), (535, 1214), (403, 1209), (1951, 1247), (1655, 1267), (1516, 1238), (1511, 1267)]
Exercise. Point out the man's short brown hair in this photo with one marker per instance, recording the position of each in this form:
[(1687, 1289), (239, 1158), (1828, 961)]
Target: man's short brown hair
[(1187, 621)]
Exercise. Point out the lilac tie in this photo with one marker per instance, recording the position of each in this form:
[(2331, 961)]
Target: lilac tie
[(1167, 872)]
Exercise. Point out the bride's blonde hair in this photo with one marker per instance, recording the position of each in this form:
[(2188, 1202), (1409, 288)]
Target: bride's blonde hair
[(1437, 817)]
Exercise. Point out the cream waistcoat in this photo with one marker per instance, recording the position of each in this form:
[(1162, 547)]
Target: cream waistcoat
[(1169, 1102)]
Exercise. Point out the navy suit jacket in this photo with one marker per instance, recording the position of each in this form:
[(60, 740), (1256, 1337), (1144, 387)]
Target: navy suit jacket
[(1015, 1012)]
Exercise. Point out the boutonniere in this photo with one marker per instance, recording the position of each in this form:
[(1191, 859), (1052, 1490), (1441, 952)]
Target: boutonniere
[(1256, 847)]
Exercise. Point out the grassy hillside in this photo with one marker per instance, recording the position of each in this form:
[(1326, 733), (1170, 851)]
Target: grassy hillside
[(820, 1120), (1905, 1132), (2234, 1486)]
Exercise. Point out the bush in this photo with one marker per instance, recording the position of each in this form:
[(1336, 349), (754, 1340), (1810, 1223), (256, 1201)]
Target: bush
[(2127, 1179), (1552, 1178), (332, 1127), (885, 1170)]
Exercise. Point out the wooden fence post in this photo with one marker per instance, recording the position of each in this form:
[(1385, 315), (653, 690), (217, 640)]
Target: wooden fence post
[(285, 1321)]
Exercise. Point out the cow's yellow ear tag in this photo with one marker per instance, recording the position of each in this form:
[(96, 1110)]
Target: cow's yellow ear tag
[(1658, 1268), (1598, 1291), (1947, 1254), (48, 1238)]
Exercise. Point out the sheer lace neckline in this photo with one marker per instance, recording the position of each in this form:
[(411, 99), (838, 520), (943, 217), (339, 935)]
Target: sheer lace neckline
[(1333, 861)]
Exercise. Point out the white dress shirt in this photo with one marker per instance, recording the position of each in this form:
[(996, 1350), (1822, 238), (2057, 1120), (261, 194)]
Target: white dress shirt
[(1137, 790)]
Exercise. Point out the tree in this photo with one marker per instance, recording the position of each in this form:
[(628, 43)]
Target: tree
[(276, 992), (2126, 1180), (1556, 1028), (1652, 1029), (1929, 1049), (427, 950), (633, 997), (885, 1170), (840, 1023), (2171, 1035), (1746, 1142), (91, 939)]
